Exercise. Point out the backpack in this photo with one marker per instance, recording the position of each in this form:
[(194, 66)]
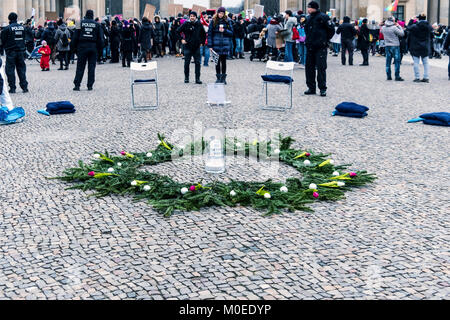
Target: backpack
[(64, 40), (295, 34)]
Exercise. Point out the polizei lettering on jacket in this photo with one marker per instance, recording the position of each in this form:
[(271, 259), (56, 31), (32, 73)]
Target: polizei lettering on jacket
[(87, 28)]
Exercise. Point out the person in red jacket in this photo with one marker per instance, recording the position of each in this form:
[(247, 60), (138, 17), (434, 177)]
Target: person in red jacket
[(45, 51)]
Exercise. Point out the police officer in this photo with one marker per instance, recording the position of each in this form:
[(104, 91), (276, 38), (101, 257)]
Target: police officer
[(319, 30), (13, 42), (87, 41)]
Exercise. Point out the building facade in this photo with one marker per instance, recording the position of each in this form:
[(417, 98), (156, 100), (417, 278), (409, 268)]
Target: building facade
[(436, 10)]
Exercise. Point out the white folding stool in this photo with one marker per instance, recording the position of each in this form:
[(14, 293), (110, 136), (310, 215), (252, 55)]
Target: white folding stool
[(141, 67), (278, 66)]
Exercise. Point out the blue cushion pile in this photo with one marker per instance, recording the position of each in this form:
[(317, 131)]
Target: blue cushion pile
[(350, 109), (59, 107), (277, 78), (434, 118)]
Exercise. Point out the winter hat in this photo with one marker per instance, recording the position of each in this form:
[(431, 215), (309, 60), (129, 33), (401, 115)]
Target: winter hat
[(44, 43), (221, 9), (89, 14), (125, 23), (313, 5), (12, 16), (193, 13)]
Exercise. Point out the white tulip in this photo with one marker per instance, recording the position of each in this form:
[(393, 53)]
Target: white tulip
[(267, 195), (341, 184), (134, 183), (306, 162), (335, 173), (276, 151), (331, 161), (232, 193), (146, 188), (184, 190), (96, 156), (313, 186), (111, 170), (284, 189), (119, 164), (149, 155)]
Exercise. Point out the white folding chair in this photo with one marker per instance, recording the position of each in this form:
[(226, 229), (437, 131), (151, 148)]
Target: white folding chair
[(287, 67), (141, 67)]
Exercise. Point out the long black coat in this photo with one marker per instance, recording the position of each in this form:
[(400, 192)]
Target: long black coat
[(319, 30), (159, 32), (146, 36), (363, 37), (128, 41), (420, 36)]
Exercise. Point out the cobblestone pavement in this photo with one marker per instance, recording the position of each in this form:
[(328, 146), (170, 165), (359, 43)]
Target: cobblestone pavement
[(388, 240)]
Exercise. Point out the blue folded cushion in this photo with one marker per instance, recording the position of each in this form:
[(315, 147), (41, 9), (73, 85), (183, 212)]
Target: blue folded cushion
[(60, 105), (440, 117), (351, 107), (277, 78), (144, 80), (350, 114), (62, 111), (436, 122)]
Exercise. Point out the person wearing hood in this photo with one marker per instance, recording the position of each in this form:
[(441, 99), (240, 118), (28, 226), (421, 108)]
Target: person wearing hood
[(348, 33), (159, 36), (114, 38), (29, 36), (420, 36), (62, 38), (145, 40), (392, 32), (45, 52), (128, 43), (13, 43), (319, 30), (219, 34), (254, 31), (272, 29), (194, 38), (239, 34), (49, 36), (364, 42), (86, 41)]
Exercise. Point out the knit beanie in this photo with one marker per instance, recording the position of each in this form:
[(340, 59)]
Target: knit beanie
[(221, 9), (313, 5)]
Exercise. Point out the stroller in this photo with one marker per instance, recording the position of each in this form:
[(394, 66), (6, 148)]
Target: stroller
[(34, 54), (260, 49)]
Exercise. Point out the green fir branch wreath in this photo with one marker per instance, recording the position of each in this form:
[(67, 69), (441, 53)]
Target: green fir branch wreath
[(321, 180)]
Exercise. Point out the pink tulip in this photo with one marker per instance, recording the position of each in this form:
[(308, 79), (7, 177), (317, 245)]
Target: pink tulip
[(307, 154), (192, 188), (123, 153), (353, 174), (315, 194), (92, 173)]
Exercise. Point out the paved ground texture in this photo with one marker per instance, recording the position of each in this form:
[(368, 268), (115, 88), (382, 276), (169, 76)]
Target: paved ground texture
[(388, 240)]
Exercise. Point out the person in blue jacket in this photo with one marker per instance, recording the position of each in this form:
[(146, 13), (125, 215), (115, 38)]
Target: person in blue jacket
[(219, 34)]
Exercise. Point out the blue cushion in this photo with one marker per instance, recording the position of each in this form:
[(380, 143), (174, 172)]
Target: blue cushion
[(62, 111), (144, 80), (277, 78), (436, 122), (442, 117), (351, 107), (59, 105), (350, 114)]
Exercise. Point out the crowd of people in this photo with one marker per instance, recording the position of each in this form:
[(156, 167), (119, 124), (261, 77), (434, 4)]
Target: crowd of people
[(303, 38)]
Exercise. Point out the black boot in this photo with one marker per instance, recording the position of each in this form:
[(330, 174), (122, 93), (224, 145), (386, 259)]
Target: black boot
[(219, 78), (224, 79), (186, 79)]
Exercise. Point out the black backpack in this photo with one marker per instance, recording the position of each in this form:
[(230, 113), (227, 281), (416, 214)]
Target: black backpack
[(64, 40)]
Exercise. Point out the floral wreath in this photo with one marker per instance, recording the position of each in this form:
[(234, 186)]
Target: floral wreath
[(322, 180)]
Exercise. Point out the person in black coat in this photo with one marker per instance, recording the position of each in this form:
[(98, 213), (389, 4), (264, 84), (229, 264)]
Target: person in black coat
[(239, 35), (159, 30), (420, 36), (29, 36), (49, 36), (194, 37), (364, 42), (319, 30), (446, 47), (114, 38), (128, 43), (145, 39), (348, 33)]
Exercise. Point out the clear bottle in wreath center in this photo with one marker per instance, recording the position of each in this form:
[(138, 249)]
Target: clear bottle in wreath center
[(215, 157)]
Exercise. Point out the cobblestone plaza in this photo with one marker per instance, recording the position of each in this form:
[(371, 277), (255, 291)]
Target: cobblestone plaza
[(388, 240)]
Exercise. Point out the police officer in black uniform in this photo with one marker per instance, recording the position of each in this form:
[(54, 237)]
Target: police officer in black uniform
[(319, 30), (87, 40), (13, 42)]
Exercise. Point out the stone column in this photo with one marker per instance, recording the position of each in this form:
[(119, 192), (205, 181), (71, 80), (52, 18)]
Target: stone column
[(100, 12), (348, 8), (53, 5), (342, 9), (42, 9), (47, 5), (36, 10), (375, 10), (355, 9), (214, 4), (137, 12), (21, 10), (128, 9), (337, 6), (28, 7)]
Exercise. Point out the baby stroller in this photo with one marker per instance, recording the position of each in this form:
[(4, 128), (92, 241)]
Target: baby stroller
[(260, 49), (34, 54)]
